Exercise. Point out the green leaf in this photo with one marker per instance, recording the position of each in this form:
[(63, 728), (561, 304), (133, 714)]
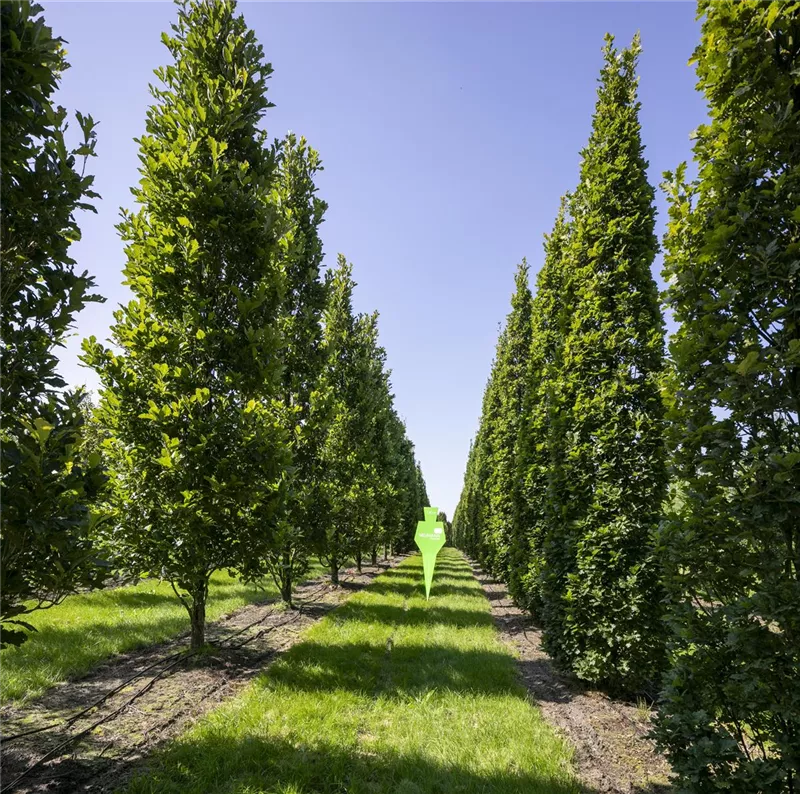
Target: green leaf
[(748, 364)]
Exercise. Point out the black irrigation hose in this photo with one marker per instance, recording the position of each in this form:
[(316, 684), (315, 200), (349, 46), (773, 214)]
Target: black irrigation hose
[(69, 721), (175, 658), (72, 739)]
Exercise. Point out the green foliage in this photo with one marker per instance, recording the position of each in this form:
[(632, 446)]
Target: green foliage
[(287, 558), (469, 515), (397, 467), (533, 453), (190, 391), (601, 598), (344, 410), (566, 476), (484, 519), (730, 712), (376, 401), (46, 525), (368, 486), (423, 500), (504, 425), (409, 494)]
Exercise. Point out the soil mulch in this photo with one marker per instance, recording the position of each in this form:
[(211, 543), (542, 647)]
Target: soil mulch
[(612, 752), (89, 734)]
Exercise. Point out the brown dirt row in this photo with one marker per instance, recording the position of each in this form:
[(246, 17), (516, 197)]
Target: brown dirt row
[(612, 752), (152, 694)]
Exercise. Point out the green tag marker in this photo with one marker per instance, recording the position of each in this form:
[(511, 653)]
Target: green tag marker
[(429, 539)]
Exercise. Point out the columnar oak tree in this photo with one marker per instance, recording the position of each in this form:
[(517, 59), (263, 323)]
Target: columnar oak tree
[(730, 711), (199, 449), (601, 596), (411, 490), (508, 378), (300, 322), (367, 484), (459, 514), (46, 525), (392, 496), (375, 403), (469, 519), (423, 500), (533, 453), (342, 473)]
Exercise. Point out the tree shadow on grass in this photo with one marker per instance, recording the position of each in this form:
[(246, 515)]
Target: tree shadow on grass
[(400, 671), (430, 615), (258, 765), (456, 571), (414, 587)]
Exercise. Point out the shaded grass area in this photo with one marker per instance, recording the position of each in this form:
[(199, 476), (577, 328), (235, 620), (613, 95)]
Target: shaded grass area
[(84, 630), (390, 693)]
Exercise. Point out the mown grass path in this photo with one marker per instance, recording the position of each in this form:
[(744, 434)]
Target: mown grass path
[(390, 693)]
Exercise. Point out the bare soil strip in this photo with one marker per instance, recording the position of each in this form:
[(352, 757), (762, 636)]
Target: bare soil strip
[(612, 753), (88, 734)]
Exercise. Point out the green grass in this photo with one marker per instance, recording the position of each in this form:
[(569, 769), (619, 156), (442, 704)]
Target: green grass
[(390, 693), (84, 630)]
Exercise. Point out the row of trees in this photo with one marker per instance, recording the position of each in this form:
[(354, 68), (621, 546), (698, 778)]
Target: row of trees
[(245, 419), (646, 508), (566, 475)]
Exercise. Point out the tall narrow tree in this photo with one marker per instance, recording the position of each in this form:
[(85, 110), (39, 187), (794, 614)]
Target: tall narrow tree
[(375, 404), (601, 597), (300, 321), (422, 490), (472, 507), (509, 379), (409, 497), (533, 452), (46, 525), (341, 475), (198, 446), (459, 537), (730, 711)]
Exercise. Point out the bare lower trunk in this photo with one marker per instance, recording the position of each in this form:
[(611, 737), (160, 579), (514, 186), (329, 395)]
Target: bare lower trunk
[(334, 570), (286, 579), (385, 551), (374, 556), (197, 614), (358, 560)]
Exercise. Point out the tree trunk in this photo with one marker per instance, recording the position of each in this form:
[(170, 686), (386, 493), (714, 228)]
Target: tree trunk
[(385, 551), (286, 579), (334, 570), (358, 560), (374, 556), (197, 614)]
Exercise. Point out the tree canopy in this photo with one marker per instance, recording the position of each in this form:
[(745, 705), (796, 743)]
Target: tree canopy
[(47, 525), (191, 390)]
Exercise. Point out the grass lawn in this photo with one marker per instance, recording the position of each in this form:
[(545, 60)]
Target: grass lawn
[(390, 693), (86, 629)]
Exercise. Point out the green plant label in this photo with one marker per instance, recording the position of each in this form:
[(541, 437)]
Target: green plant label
[(429, 538)]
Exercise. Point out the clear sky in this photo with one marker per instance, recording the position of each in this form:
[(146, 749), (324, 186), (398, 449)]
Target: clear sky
[(448, 132)]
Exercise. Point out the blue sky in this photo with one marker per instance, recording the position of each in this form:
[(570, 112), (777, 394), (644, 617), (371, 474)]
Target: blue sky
[(448, 132)]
